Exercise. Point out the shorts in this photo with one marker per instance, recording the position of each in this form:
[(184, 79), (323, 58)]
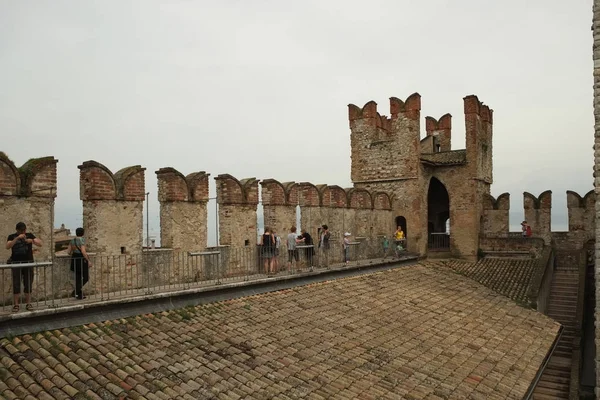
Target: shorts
[(26, 275), (293, 254)]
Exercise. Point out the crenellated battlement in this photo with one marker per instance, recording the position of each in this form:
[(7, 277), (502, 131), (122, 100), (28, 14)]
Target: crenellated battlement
[(309, 195), (183, 213), (97, 182), (277, 193), (360, 198), (440, 131), (537, 211), (174, 186), (334, 196), (409, 108), (472, 106), (233, 191), (37, 177)]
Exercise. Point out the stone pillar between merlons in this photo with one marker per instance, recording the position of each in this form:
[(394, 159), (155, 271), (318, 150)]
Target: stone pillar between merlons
[(582, 217), (279, 202), (237, 201), (113, 207), (495, 215), (538, 214), (183, 213), (27, 195), (311, 217)]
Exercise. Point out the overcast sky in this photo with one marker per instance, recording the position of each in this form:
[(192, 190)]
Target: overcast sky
[(260, 88)]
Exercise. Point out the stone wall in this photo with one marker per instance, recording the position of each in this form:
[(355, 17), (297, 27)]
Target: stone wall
[(440, 132), (237, 210), (538, 213), (309, 199), (27, 195), (385, 148), (112, 208), (279, 202), (496, 214), (183, 213), (581, 211), (478, 133), (387, 156)]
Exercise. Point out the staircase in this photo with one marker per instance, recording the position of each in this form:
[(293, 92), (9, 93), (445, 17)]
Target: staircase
[(555, 381)]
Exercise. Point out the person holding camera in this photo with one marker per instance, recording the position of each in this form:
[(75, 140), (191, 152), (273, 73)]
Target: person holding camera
[(21, 246)]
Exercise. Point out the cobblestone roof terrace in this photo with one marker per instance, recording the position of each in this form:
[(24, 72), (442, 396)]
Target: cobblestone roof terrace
[(413, 332)]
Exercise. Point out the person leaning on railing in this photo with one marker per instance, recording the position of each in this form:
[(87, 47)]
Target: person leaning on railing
[(80, 263), (21, 247)]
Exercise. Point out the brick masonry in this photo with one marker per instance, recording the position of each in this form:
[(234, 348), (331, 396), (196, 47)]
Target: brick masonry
[(25, 196), (112, 208), (183, 213), (237, 210), (387, 156)]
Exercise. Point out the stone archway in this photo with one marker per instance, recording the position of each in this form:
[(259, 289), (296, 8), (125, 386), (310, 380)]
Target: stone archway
[(438, 213)]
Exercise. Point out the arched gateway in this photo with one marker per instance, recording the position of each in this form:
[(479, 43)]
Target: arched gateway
[(438, 215)]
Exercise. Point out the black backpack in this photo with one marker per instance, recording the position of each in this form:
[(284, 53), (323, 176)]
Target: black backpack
[(20, 249)]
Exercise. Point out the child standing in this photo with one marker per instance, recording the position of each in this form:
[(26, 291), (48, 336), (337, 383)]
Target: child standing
[(346, 246)]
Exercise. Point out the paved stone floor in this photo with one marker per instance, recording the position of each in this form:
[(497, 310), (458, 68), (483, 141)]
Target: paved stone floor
[(408, 333)]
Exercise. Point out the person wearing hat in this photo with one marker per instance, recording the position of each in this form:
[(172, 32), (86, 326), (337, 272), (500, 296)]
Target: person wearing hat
[(346, 246), (526, 229)]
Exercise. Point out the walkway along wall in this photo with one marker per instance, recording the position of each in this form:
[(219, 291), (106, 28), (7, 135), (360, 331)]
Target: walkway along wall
[(183, 214)]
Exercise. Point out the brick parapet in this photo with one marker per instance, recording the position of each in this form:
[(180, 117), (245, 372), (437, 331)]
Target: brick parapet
[(174, 186), (233, 191), (274, 192), (97, 182), (35, 178), (441, 130)]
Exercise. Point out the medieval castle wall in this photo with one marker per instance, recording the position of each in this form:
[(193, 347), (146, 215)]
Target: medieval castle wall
[(183, 214), (27, 194), (113, 206), (389, 156)]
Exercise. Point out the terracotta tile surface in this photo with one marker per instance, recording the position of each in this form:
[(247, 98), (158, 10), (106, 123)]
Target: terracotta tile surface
[(510, 277), (411, 333)]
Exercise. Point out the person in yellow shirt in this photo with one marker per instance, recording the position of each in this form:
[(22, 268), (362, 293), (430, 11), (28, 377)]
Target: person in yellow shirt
[(399, 239)]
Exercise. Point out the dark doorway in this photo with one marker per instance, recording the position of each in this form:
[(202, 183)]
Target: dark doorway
[(438, 215), (401, 222)]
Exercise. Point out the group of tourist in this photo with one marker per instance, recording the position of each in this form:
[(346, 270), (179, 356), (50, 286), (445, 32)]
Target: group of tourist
[(21, 245), (270, 244)]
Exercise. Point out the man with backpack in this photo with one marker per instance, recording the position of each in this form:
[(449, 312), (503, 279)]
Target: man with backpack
[(21, 246)]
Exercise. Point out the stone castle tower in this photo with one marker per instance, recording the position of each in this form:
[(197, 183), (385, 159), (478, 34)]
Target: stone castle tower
[(430, 183)]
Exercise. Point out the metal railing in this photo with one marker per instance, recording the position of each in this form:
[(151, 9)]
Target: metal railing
[(438, 241), (165, 270)]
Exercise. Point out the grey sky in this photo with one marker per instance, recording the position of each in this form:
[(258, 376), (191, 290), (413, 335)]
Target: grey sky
[(260, 88)]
